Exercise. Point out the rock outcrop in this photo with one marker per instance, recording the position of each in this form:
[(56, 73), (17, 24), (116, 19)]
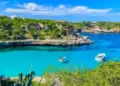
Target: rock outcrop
[(54, 42)]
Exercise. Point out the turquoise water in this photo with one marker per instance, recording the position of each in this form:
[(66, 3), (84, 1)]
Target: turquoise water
[(18, 59)]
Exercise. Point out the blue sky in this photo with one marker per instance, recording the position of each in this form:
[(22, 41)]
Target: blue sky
[(71, 10)]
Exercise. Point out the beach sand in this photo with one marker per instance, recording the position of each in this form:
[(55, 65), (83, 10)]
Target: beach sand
[(36, 78)]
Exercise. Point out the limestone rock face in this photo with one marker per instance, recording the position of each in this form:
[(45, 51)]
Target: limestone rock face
[(55, 42)]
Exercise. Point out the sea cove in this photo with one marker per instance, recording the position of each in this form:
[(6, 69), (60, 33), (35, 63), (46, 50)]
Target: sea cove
[(59, 43), (18, 59)]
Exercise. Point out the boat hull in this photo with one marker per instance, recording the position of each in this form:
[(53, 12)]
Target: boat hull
[(102, 55)]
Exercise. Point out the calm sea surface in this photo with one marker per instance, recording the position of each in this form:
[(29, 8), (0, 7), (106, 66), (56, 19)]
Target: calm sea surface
[(18, 59)]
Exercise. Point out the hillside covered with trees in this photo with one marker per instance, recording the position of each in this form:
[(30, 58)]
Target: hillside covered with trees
[(19, 28)]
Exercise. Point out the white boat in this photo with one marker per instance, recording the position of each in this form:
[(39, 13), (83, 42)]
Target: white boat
[(100, 56), (62, 59)]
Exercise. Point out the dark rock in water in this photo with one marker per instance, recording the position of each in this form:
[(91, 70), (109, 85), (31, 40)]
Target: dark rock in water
[(105, 59), (65, 62), (113, 51), (113, 46)]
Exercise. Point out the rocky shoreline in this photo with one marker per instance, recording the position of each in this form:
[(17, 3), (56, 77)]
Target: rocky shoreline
[(52, 42), (102, 31)]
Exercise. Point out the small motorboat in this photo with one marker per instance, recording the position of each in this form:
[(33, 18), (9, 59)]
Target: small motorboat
[(62, 59), (100, 56)]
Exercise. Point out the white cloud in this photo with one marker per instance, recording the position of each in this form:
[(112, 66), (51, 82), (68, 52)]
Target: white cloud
[(35, 9), (118, 13), (3, 3), (61, 6)]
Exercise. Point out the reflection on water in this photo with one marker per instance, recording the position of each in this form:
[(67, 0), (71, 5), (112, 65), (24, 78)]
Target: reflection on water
[(113, 50), (66, 61), (35, 48), (45, 48)]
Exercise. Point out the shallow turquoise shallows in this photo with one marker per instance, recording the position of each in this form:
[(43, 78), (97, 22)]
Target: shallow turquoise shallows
[(18, 59)]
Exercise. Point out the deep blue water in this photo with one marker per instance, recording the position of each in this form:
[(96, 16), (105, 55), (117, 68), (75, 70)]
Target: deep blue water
[(18, 59)]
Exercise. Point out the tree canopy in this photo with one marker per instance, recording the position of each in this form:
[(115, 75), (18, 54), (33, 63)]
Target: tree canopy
[(18, 27)]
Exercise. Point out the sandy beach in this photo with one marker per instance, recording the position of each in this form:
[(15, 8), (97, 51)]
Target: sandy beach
[(36, 79)]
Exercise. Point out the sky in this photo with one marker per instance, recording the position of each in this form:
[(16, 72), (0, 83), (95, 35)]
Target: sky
[(71, 10)]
